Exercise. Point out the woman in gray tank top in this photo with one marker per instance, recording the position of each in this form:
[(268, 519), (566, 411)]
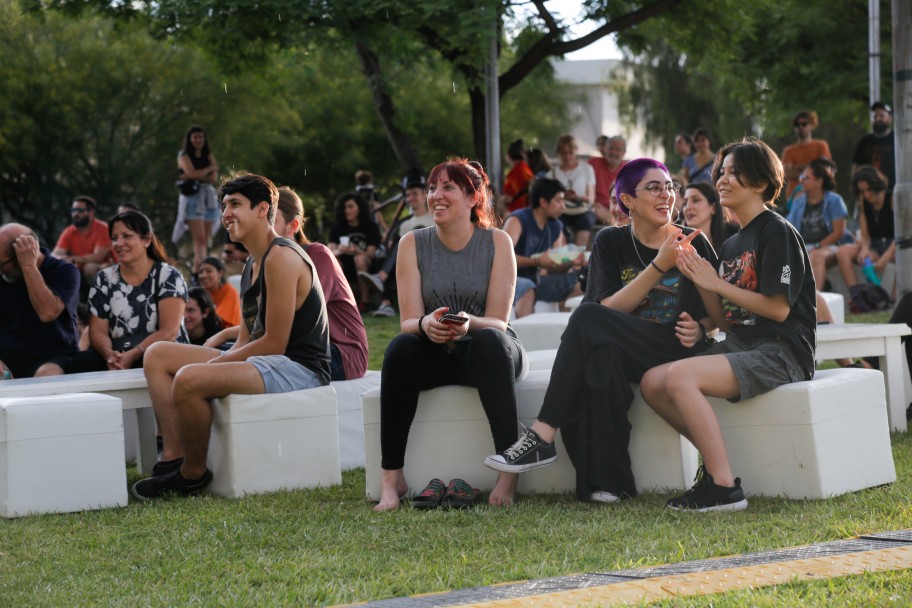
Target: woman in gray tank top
[(462, 267)]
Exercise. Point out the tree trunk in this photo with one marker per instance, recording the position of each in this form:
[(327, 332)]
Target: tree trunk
[(399, 141), (477, 98)]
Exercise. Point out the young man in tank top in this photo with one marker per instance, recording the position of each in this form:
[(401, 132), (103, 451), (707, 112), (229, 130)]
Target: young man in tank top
[(283, 344)]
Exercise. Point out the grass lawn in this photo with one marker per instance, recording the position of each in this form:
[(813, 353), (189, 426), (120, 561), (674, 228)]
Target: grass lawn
[(326, 546)]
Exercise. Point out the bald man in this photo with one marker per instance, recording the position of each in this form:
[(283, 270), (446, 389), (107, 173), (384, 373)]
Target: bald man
[(38, 297)]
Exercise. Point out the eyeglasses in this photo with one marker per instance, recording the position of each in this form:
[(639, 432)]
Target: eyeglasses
[(657, 189), (79, 210), (802, 124), (5, 262)]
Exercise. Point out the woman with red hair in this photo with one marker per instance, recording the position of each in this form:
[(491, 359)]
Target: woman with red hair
[(456, 281)]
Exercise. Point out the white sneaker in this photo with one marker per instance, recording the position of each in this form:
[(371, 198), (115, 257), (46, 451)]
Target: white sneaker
[(604, 497), (385, 310), (372, 280)]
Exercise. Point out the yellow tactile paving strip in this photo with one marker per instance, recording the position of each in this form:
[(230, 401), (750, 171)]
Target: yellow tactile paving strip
[(714, 581)]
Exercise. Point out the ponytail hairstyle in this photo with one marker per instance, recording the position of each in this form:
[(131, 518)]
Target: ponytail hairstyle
[(291, 207), (137, 222)]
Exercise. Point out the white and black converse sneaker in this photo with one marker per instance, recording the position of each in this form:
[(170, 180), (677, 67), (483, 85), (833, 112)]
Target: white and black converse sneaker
[(528, 453)]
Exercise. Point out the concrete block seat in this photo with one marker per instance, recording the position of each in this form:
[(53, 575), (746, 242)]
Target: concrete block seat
[(837, 305), (264, 443), (542, 330), (61, 453), (450, 437), (351, 418), (814, 439)]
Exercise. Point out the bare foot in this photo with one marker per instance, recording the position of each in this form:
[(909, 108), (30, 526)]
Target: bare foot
[(392, 486), (504, 490)]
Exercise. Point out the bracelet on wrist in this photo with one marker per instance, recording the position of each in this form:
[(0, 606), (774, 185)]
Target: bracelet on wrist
[(142, 351), (656, 266), (421, 331)]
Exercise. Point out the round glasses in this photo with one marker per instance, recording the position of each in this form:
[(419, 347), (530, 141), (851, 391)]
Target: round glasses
[(657, 189)]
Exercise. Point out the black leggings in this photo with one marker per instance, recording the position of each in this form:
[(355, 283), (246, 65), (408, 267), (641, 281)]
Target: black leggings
[(490, 362)]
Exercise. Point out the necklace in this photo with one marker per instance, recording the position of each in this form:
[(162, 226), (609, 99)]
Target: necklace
[(635, 248)]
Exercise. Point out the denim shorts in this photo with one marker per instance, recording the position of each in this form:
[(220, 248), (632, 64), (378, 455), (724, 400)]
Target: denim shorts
[(523, 285), (556, 287), (203, 205), (282, 375), (880, 245)]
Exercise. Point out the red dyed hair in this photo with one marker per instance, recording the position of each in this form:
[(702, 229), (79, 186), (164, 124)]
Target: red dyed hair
[(471, 178)]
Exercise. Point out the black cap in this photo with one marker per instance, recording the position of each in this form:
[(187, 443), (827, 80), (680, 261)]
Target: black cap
[(879, 105), (414, 179)]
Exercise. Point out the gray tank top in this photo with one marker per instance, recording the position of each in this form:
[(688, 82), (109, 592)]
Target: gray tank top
[(456, 279)]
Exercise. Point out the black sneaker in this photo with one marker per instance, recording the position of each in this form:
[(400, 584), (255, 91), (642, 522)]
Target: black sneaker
[(172, 483), (528, 453), (705, 496), (166, 467)]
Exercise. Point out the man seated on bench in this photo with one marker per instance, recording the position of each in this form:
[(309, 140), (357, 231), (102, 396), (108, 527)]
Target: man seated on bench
[(38, 298), (283, 345)]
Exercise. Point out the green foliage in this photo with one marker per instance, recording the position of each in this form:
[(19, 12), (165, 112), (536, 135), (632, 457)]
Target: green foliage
[(748, 67), (90, 108)]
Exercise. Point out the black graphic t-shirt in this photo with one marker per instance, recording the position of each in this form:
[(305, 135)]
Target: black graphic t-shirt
[(768, 256), (813, 225), (359, 236), (617, 260)]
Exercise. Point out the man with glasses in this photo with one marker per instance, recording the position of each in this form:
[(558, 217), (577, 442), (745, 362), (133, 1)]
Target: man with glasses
[(38, 298), (798, 155), (85, 243)]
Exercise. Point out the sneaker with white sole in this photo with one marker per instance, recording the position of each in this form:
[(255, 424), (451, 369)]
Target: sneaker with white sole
[(372, 280), (706, 496), (385, 310), (603, 497), (529, 452)]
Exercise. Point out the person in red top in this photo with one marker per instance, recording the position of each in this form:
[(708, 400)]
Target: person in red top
[(606, 169), (516, 185), (799, 155), (85, 243)]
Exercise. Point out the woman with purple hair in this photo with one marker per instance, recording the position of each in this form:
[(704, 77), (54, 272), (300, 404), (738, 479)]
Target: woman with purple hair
[(639, 312)]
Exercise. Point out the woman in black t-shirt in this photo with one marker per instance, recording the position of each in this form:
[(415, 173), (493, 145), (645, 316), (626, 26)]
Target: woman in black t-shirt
[(762, 294), (354, 239)]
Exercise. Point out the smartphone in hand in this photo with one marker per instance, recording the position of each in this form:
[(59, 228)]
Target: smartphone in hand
[(451, 319)]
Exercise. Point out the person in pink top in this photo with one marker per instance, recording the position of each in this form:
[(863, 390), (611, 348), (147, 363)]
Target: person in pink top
[(347, 336), (85, 242), (798, 155), (606, 169)]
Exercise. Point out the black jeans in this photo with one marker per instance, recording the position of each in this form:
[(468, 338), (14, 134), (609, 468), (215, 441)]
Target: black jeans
[(602, 352), (490, 362)]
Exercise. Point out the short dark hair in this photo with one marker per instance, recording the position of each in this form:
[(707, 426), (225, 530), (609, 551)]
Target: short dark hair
[(256, 188), (544, 188), (631, 174), (757, 166), (85, 198), (808, 115)]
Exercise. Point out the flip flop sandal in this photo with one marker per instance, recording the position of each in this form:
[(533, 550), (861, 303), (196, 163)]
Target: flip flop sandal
[(460, 494), (431, 496)]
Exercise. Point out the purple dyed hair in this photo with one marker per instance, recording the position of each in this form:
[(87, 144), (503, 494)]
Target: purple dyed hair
[(631, 174)]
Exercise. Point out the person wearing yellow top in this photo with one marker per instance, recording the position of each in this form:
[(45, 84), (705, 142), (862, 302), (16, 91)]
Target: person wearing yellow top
[(224, 295)]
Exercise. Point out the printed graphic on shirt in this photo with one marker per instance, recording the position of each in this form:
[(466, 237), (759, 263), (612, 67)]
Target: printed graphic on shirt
[(741, 272), (458, 303), (786, 275), (661, 303)]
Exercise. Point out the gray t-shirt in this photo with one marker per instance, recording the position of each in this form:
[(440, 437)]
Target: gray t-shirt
[(456, 279)]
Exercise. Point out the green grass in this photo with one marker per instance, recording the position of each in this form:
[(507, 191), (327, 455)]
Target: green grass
[(327, 546)]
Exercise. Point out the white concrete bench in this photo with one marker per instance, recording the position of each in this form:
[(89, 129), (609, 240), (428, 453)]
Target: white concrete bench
[(264, 443), (450, 437), (836, 303), (127, 385), (810, 439), (139, 420), (542, 330), (61, 453), (882, 340)]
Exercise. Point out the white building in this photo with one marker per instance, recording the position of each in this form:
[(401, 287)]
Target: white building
[(596, 107)]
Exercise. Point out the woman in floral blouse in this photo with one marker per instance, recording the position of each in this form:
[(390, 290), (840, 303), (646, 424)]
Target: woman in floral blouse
[(134, 303)]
